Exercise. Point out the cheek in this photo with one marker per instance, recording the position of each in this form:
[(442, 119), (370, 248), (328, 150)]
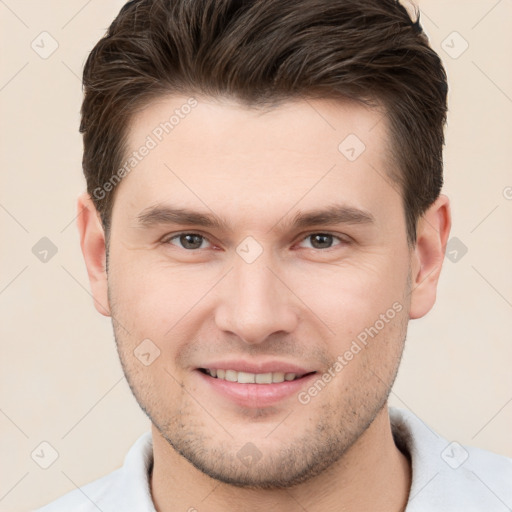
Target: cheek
[(350, 298), (152, 298)]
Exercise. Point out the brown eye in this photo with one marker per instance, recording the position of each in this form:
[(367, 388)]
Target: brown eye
[(190, 241), (322, 240)]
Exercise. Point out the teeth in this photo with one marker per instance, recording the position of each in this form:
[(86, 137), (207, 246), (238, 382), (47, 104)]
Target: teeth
[(264, 378), (251, 378), (246, 378), (278, 377), (231, 375)]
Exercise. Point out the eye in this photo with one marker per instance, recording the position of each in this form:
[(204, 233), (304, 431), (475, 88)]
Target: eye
[(190, 241), (323, 240)]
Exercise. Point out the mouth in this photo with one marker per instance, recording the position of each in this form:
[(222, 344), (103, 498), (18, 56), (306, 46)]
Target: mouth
[(254, 384), (253, 378)]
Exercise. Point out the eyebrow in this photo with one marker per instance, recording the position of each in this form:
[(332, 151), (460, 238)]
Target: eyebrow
[(335, 214)]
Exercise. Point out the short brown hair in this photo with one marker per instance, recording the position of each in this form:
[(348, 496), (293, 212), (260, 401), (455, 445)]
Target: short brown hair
[(262, 52)]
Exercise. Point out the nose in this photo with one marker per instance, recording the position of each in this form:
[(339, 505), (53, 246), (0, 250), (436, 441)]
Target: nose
[(256, 302)]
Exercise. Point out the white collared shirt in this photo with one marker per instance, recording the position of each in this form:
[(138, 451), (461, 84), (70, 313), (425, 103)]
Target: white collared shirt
[(446, 476)]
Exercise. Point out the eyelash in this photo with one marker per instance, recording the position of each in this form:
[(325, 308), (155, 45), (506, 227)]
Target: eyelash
[(342, 241)]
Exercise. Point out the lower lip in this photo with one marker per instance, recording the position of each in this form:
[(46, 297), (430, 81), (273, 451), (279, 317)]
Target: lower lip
[(256, 395)]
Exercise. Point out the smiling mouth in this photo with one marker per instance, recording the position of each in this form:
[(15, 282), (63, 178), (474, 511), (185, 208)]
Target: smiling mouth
[(252, 378)]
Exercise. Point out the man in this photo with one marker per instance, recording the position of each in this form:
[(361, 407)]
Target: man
[(263, 218)]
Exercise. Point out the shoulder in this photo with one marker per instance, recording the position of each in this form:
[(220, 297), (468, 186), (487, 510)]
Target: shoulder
[(469, 479), (447, 475), (126, 488), (85, 498)]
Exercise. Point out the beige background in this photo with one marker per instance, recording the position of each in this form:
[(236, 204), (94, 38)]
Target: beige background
[(61, 381)]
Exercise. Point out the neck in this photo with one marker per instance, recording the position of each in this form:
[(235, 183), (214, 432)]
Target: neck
[(372, 475)]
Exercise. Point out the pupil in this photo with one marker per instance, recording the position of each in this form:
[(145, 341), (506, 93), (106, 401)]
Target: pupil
[(195, 243), (324, 240)]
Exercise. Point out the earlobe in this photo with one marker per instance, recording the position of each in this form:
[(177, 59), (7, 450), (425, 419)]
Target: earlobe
[(92, 242), (428, 256)]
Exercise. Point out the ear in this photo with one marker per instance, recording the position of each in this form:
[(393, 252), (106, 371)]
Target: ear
[(92, 242), (427, 259)]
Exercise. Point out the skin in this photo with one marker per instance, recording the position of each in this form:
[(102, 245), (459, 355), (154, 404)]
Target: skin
[(304, 300)]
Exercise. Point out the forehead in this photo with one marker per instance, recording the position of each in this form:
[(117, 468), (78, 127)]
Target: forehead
[(218, 154), (305, 125)]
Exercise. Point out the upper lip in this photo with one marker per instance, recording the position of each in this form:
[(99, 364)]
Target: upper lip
[(257, 367)]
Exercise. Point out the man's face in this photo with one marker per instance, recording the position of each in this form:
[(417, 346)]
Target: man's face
[(261, 294)]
